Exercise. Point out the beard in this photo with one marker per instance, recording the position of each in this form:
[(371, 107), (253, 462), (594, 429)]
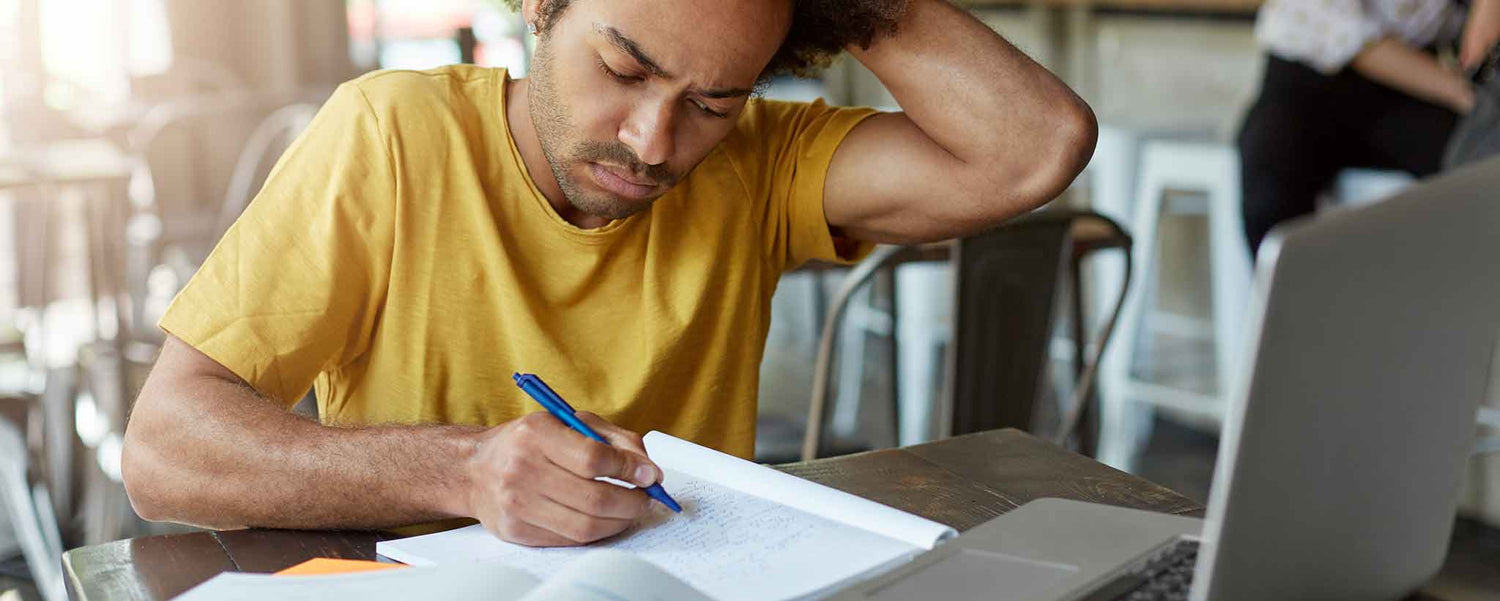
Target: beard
[(555, 132)]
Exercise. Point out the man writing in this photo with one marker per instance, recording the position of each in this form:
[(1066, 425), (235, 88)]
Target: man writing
[(617, 222)]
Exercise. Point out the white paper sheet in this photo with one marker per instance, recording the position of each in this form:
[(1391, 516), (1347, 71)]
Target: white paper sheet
[(730, 545), (747, 532), (609, 575), (733, 472)]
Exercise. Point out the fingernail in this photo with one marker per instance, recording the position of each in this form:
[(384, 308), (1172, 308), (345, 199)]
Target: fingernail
[(644, 475)]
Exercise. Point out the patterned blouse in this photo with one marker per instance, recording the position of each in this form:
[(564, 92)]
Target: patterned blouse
[(1327, 34)]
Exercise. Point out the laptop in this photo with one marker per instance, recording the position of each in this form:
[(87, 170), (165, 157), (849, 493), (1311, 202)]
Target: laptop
[(1374, 341)]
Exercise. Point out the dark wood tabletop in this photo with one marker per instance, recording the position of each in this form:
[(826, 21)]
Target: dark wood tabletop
[(962, 482)]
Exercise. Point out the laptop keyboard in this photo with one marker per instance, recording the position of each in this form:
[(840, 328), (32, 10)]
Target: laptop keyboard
[(1165, 575)]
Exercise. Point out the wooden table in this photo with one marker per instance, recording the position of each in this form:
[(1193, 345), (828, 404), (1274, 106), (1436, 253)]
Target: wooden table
[(961, 482)]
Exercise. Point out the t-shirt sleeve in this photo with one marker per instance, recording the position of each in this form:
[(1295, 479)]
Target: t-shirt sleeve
[(294, 286), (1323, 34), (783, 150)]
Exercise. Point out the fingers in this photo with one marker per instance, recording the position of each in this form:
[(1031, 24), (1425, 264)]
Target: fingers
[(574, 526), (523, 533), (549, 524), (617, 436), (626, 460), (590, 497), (536, 486)]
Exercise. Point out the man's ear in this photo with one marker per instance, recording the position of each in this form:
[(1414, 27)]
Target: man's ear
[(531, 11)]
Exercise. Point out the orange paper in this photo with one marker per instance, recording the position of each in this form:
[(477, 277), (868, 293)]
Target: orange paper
[(323, 565)]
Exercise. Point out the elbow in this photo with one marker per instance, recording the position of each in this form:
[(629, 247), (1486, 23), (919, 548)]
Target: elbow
[(1073, 133), (1079, 139), (1056, 151), (140, 480), (146, 472)]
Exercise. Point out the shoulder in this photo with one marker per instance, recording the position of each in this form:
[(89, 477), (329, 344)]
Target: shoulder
[(764, 119), (415, 98), (771, 132), (401, 87)]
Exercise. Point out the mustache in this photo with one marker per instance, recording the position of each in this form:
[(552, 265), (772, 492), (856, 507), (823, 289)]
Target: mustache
[(618, 154)]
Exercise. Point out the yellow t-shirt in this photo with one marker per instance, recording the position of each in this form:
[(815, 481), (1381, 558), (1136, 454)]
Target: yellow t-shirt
[(402, 260)]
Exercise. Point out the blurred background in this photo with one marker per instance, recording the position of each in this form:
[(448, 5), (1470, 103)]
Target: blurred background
[(132, 132)]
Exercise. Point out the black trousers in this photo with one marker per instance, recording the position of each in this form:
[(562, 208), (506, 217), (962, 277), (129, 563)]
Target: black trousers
[(1305, 127)]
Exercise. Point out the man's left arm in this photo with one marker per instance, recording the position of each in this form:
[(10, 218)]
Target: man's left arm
[(987, 134)]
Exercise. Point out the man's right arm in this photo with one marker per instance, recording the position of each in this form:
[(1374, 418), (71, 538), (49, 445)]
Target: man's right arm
[(204, 448)]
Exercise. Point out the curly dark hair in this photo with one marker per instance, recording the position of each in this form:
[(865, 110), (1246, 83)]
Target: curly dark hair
[(820, 30)]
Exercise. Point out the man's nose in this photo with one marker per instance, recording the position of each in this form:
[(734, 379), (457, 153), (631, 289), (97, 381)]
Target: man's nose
[(648, 131)]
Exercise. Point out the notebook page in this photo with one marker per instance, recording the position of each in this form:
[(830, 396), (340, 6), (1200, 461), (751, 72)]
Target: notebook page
[(609, 575), (811, 497), (731, 545)]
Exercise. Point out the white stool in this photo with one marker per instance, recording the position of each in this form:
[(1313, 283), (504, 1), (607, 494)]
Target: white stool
[(923, 329), (1213, 171), (1111, 179)]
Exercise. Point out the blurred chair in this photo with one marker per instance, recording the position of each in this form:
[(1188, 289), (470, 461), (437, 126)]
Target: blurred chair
[(1004, 313), (909, 311), (29, 511), (187, 155), (73, 187), (908, 303), (1210, 172), (169, 237)]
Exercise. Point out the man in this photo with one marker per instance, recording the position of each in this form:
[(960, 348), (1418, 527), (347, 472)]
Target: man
[(616, 223)]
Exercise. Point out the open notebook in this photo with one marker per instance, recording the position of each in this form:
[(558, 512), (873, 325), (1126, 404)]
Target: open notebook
[(746, 532), (600, 575)]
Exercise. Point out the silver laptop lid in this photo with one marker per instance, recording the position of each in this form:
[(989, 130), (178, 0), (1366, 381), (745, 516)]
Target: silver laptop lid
[(1373, 334)]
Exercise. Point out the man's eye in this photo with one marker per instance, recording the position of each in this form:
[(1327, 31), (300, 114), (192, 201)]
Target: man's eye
[(616, 75), (708, 111)]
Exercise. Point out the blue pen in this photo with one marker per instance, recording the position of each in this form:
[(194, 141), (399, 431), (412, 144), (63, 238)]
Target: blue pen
[(560, 409)]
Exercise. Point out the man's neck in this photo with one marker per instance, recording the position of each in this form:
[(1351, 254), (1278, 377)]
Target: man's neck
[(523, 131)]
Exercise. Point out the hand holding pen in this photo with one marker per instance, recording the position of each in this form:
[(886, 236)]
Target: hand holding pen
[(531, 481), (560, 409)]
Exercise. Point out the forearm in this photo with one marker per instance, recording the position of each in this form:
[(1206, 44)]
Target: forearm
[(980, 99), (209, 451), (1415, 73)]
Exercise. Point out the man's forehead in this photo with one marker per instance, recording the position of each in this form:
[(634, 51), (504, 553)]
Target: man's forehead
[(721, 38)]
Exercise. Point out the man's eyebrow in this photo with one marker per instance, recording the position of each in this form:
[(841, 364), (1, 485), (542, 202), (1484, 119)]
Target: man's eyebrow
[(630, 47), (725, 93)]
